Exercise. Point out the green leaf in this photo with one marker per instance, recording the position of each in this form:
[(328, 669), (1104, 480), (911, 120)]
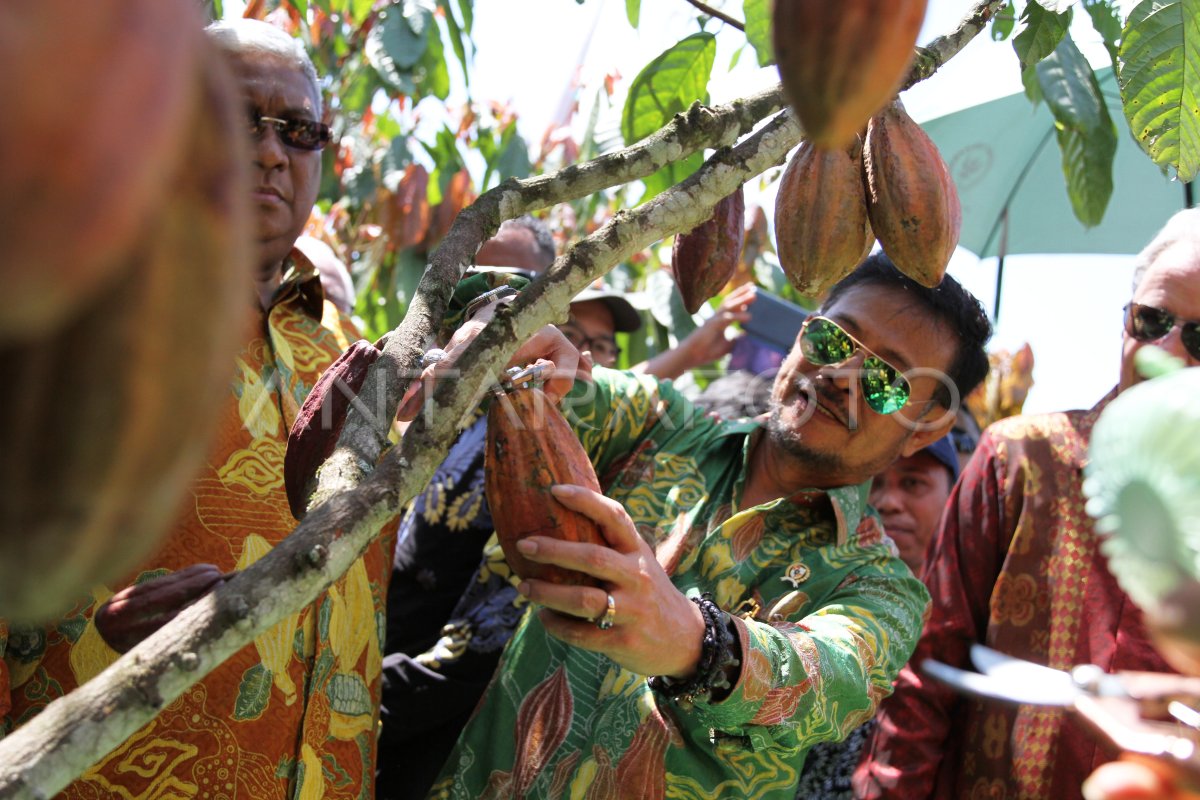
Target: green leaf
[(349, 695), (1106, 19), (1033, 89), (633, 10), (1056, 6), (666, 304), (301, 6), (1004, 22), (758, 29), (359, 10), (253, 693), (399, 39), (1160, 81), (668, 85), (513, 161), (431, 74), (665, 87), (1043, 31), (1086, 133), (458, 40), (468, 14)]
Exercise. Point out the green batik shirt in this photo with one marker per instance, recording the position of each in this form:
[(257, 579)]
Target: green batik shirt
[(827, 616)]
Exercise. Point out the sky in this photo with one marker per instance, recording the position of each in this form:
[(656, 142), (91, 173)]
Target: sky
[(1067, 307)]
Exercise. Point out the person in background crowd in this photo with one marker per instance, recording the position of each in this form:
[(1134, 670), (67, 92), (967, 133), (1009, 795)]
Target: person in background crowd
[(1016, 565), (910, 496), (744, 570)]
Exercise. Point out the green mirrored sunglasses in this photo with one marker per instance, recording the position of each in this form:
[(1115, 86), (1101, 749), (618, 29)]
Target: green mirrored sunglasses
[(825, 343)]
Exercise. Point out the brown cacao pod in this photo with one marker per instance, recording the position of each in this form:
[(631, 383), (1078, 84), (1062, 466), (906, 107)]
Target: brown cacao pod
[(86, 136), (841, 62), (137, 611), (705, 258), (108, 415), (320, 421), (821, 224), (530, 447), (911, 198)]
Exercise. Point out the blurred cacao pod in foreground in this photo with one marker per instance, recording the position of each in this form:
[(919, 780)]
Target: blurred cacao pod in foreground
[(841, 62), (530, 447), (705, 258), (911, 197), (89, 130), (821, 225), (107, 414)]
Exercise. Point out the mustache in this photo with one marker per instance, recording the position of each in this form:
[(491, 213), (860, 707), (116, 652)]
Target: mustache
[(827, 397)]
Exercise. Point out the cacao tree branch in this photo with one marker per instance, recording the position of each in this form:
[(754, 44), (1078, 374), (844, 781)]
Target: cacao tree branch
[(75, 731), (712, 12), (932, 56)]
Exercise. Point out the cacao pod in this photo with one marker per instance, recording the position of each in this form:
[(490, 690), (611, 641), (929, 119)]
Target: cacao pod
[(705, 258), (841, 62), (821, 224), (87, 134), (911, 198), (530, 447), (108, 416), (137, 611), (320, 421)]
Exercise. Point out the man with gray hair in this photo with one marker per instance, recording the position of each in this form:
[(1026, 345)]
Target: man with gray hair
[(1016, 565), (293, 714)]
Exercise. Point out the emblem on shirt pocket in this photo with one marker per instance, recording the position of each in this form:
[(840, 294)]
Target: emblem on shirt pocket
[(797, 574)]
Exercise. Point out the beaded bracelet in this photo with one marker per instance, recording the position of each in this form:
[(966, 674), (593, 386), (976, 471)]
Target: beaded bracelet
[(717, 654)]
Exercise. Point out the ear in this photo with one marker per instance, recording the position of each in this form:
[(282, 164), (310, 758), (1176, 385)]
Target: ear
[(935, 424)]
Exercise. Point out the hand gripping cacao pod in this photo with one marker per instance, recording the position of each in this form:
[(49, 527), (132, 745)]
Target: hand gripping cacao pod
[(705, 258), (821, 224), (108, 416), (911, 198), (87, 134), (320, 421), (840, 62), (530, 447)]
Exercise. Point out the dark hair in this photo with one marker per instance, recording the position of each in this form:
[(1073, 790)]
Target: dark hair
[(949, 302), (541, 235)]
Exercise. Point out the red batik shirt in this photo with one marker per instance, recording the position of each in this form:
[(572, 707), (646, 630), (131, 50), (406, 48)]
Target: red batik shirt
[(1016, 565)]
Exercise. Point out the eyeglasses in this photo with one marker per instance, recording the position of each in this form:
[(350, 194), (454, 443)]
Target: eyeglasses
[(302, 134), (1149, 324), (825, 343), (604, 347)]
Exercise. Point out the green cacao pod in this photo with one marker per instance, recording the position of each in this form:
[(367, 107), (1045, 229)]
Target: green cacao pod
[(841, 62)]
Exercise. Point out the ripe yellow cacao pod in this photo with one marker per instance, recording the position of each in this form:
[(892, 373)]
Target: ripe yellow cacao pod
[(841, 62), (911, 197), (821, 225), (530, 447), (108, 415), (705, 258)]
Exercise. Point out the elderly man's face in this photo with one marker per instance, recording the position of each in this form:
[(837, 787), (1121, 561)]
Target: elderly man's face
[(285, 179), (1172, 284), (818, 413), (910, 495)]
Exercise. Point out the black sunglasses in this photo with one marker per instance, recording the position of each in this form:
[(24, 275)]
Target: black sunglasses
[(1150, 324), (302, 134)]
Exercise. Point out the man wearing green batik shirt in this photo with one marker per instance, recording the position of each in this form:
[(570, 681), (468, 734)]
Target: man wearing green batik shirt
[(750, 605)]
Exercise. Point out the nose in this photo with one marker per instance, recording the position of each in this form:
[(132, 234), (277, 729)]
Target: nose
[(885, 499), (1173, 344), (843, 374), (269, 150)]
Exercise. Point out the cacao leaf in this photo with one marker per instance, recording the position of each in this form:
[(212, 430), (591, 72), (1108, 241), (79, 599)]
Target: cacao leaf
[(757, 14), (253, 693), (1043, 31), (1055, 6), (1033, 89), (1087, 135), (665, 87), (1004, 22), (666, 304), (633, 10), (1159, 75), (1106, 19), (458, 40), (301, 6), (359, 10), (431, 75), (398, 40)]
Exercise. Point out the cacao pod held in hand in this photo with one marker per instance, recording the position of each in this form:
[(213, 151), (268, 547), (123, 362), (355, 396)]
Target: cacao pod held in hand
[(108, 415), (821, 224), (530, 447), (840, 62), (320, 421), (137, 611), (911, 198), (705, 258), (90, 129)]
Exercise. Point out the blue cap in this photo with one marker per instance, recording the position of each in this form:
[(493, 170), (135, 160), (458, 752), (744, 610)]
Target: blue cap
[(943, 450)]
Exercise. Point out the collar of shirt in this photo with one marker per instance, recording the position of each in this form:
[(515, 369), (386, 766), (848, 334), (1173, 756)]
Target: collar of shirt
[(300, 285)]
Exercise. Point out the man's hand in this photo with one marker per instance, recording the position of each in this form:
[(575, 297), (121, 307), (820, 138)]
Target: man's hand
[(547, 346), (133, 613), (656, 630), (708, 342), (1137, 778)]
